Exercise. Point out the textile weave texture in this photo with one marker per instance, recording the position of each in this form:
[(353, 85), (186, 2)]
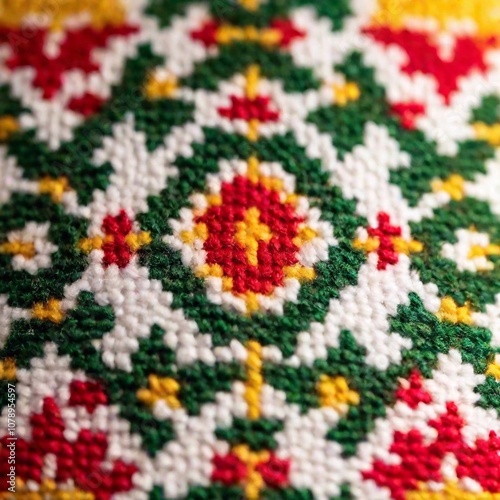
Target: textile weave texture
[(250, 249)]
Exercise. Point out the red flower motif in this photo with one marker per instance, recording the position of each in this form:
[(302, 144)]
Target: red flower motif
[(80, 461), (384, 233), (119, 243), (75, 53), (424, 57), (273, 253), (284, 30), (245, 108), (229, 469), (386, 240), (421, 462), (414, 393), (116, 250)]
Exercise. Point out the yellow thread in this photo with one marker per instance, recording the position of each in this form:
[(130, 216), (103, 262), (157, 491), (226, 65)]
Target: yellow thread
[(299, 272), (445, 13), (8, 369), (272, 183), (201, 231), (334, 392), (454, 186), (254, 176), (47, 491), (252, 81), (214, 200), (49, 311), (54, 187), (209, 270), (227, 283), (451, 491), (254, 485), (252, 302), (227, 34), (249, 232), (343, 94), (251, 5), (101, 12), (188, 237), (494, 370), (488, 133), (253, 169), (487, 251), (156, 88), (453, 313), (88, 244), (400, 245), (27, 250), (370, 245), (305, 234), (249, 33), (255, 380), (160, 389), (251, 92), (270, 37), (253, 130), (135, 241), (407, 247), (254, 482), (8, 124)]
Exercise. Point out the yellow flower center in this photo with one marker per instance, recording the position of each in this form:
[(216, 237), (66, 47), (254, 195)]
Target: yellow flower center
[(250, 232)]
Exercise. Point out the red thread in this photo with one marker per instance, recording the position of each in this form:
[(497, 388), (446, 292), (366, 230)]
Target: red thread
[(87, 105), (422, 462), (88, 394), (80, 461), (289, 32), (75, 52), (207, 33), (384, 233), (229, 469), (274, 472), (415, 393), (248, 109), (423, 56), (481, 463), (223, 249), (408, 112), (115, 248)]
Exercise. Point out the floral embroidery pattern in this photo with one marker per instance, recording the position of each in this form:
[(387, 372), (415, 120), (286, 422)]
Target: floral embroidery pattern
[(249, 249)]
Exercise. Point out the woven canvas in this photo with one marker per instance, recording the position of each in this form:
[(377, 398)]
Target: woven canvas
[(250, 249)]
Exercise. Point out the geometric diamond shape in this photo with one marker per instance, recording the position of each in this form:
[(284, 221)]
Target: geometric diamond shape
[(251, 237)]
